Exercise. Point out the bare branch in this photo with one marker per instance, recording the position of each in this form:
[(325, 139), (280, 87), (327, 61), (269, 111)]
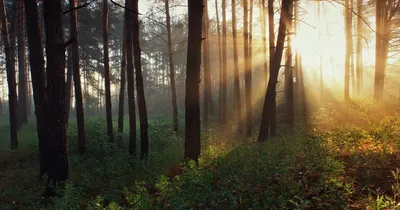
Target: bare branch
[(136, 12), (78, 7)]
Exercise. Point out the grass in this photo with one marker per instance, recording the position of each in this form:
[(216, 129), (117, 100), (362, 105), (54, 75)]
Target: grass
[(322, 164)]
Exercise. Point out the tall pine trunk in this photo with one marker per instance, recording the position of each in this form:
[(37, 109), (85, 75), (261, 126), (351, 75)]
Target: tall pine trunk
[(271, 32), (121, 100), (263, 15), (55, 93), (69, 82), (348, 52), (22, 85), (192, 93), (220, 64), (130, 76), (144, 136), (236, 82), (107, 72), (77, 79), (11, 80), (224, 66), (268, 117), (208, 103), (248, 76), (36, 59), (359, 61), (171, 70), (289, 71)]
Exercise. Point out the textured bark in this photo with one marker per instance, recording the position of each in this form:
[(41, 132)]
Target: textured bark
[(248, 76), (236, 81), (348, 52), (56, 91), (351, 45), (121, 101), (171, 70), (192, 93), (11, 80), (107, 72), (359, 60), (130, 76), (289, 71), (36, 60), (144, 136), (22, 84), (224, 66), (247, 67), (77, 79), (268, 117)]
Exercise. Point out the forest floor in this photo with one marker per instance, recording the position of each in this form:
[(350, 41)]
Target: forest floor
[(338, 160)]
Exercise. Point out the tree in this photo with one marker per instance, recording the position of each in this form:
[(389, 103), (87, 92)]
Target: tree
[(263, 21), (10, 68), (22, 84), (271, 32), (236, 81), (36, 59), (208, 103), (268, 117), (247, 63), (289, 71), (348, 23), (224, 66), (144, 138), (69, 82), (171, 69), (107, 71), (130, 75), (359, 61), (77, 79), (192, 93), (122, 86), (220, 63), (55, 93)]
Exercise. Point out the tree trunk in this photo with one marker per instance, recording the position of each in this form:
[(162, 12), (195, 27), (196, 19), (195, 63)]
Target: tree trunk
[(236, 82), (192, 93), (352, 69), (56, 92), (208, 103), (69, 83), (379, 52), (248, 76), (220, 63), (144, 136), (36, 60), (268, 117), (359, 67), (22, 87), (348, 52), (107, 72), (130, 75), (224, 66), (289, 72), (271, 32), (77, 79), (11, 80), (263, 15), (122, 87), (171, 70)]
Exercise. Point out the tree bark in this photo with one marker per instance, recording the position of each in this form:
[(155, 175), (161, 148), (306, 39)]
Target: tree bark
[(107, 72), (69, 83), (11, 80), (348, 52), (22, 87), (171, 70), (130, 75), (224, 66), (289, 71), (36, 60), (77, 79), (56, 92), (144, 136), (271, 32), (248, 75), (263, 15), (268, 117), (122, 87), (359, 60), (208, 103), (192, 93), (220, 64), (236, 82)]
